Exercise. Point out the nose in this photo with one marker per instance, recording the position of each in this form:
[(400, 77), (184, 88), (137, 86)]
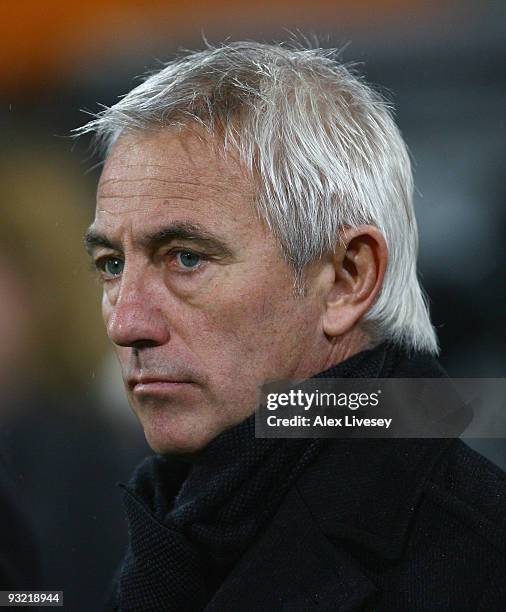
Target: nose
[(136, 318)]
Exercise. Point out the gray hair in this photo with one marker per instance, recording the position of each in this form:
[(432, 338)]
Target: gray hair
[(322, 146)]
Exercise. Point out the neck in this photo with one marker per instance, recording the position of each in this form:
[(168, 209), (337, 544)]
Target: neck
[(343, 347)]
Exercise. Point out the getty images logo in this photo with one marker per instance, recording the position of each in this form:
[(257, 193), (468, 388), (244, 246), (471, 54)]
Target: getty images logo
[(317, 399)]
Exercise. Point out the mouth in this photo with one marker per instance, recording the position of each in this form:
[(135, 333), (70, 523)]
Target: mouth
[(147, 385)]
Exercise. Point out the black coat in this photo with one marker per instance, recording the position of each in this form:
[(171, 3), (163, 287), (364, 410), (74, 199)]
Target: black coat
[(390, 525), (370, 524)]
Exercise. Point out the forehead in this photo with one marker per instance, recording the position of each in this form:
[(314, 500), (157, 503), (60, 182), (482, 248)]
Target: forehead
[(166, 175)]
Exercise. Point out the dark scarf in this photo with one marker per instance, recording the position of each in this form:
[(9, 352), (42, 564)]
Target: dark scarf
[(189, 525)]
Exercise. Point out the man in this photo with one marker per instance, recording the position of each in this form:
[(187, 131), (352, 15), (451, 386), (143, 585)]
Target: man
[(254, 222)]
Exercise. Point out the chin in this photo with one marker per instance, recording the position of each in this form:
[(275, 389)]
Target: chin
[(177, 438)]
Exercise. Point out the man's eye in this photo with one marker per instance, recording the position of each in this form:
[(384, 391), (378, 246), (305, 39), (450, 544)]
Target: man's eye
[(188, 259), (112, 266)]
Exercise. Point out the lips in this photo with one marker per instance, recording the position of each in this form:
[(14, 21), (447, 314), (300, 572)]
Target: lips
[(157, 384)]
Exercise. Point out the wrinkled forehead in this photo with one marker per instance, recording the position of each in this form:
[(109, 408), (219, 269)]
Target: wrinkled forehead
[(152, 177), (191, 156)]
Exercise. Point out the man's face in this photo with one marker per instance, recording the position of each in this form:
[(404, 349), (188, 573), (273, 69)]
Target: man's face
[(197, 298)]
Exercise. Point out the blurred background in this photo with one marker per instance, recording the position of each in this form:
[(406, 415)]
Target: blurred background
[(66, 433)]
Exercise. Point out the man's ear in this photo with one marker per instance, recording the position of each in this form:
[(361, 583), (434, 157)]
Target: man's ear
[(359, 265)]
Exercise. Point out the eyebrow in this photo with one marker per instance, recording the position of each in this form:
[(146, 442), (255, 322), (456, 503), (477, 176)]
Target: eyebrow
[(179, 230), (93, 240)]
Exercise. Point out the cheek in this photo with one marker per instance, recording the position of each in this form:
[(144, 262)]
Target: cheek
[(242, 320), (269, 328), (107, 311)]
